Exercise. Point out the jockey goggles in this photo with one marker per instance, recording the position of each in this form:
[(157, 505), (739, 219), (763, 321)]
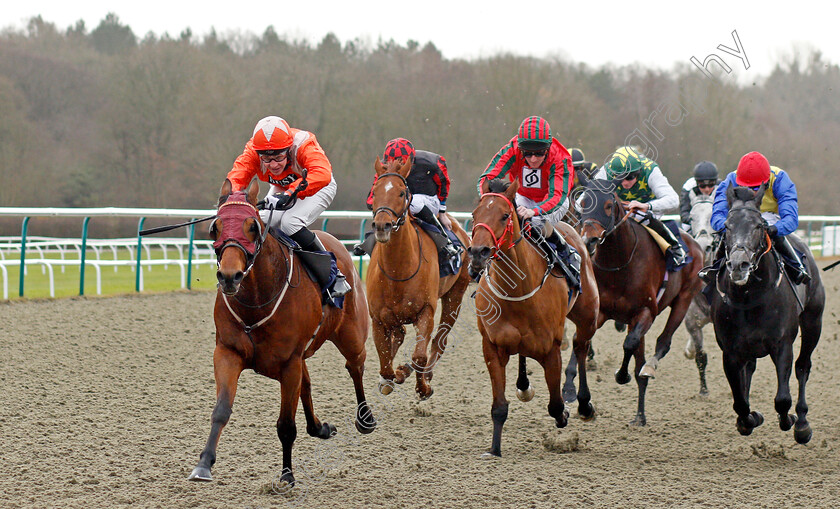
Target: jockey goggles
[(631, 176), (275, 156), (706, 184), (534, 153)]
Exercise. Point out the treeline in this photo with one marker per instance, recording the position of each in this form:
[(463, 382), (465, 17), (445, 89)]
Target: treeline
[(103, 118)]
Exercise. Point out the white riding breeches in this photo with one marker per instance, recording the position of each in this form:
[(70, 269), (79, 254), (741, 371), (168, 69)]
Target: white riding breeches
[(303, 213), (418, 201)]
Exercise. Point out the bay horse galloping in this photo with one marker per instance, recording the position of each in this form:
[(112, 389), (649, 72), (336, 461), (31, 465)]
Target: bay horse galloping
[(522, 305), (633, 283), (269, 318), (757, 311), (404, 284)]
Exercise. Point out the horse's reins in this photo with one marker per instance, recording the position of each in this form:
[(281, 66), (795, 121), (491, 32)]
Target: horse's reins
[(400, 220), (498, 246), (609, 231)]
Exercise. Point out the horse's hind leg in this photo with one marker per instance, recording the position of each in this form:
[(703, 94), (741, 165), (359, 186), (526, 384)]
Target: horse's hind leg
[(569, 392), (663, 342), (314, 427), (524, 391), (227, 366), (582, 346), (810, 324), (694, 322)]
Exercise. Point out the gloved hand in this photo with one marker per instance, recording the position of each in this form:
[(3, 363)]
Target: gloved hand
[(772, 230), (276, 201)]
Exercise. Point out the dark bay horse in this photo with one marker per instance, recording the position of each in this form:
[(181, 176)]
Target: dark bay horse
[(404, 284), (630, 270), (269, 318), (522, 305), (757, 311)]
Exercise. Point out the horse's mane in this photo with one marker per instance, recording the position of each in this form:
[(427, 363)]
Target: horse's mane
[(497, 185)]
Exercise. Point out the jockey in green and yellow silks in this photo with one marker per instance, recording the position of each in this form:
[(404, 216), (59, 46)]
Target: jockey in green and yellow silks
[(646, 192)]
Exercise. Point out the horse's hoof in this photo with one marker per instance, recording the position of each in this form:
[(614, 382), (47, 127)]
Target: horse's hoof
[(386, 386), (620, 327), (786, 422), (402, 372), (587, 416), (648, 371), (366, 426), (563, 421), (326, 431), (622, 378), (640, 420), (526, 395), (569, 396), (758, 417), (803, 436), (490, 456), (284, 482), (203, 474), (704, 392), (424, 395)]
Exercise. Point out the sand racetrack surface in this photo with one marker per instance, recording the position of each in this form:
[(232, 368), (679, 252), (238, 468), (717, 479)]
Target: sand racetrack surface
[(106, 402)]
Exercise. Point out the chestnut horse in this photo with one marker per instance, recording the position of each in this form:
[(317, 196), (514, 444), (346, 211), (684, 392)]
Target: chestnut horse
[(630, 270), (404, 284), (269, 318), (530, 304), (758, 311)]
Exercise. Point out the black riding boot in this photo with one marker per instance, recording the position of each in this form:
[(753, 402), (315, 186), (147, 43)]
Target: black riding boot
[(366, 246), (565, 257), (442, 241), (798, 273), (308, 241), (676, 251)]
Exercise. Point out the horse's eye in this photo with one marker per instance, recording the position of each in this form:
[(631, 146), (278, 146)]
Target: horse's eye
[(505, 217), (402, 194), (214, 231)]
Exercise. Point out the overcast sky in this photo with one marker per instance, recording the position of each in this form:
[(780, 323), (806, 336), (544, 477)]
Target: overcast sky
[(656, 34)]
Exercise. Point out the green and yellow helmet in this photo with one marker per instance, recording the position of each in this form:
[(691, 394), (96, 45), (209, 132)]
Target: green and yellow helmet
[(625, 161)]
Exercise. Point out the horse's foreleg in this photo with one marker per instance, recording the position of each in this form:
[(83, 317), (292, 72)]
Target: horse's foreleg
[(642, 382), (553, 366), (582, 347), (810, 324), (352, 346), (694, 321), (290, 387), (736, 374), (382, 341), (783, 359), (631, 344), (424, 326), (663, 342), (314, 426), (449, 310), (569, 393), (227, 366), (403, 369), (496, 362)]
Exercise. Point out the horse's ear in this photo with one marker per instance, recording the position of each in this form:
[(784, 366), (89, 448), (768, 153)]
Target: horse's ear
[(226, 189), (405, 168), (583, 180), (485, 186), (510, 192), (730, 195), (378, 166), (759, 195), (253, 191)]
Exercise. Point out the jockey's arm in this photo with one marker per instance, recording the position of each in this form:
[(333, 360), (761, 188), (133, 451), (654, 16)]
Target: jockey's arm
[(784, 190), (666, 198)]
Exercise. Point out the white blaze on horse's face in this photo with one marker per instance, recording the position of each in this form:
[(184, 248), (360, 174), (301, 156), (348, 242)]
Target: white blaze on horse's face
[(388, 186)]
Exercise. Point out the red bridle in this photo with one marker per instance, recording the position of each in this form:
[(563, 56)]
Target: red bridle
[(497, 242)]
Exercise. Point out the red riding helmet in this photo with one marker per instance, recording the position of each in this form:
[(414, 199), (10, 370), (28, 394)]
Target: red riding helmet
[(272, 133), (753, 170), (398, 148)]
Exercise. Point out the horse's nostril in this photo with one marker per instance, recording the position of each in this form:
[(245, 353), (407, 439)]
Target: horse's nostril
[(219, 276), (237, 278)]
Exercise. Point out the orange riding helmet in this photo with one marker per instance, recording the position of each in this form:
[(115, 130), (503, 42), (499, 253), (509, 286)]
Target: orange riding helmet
[(272, 133)]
